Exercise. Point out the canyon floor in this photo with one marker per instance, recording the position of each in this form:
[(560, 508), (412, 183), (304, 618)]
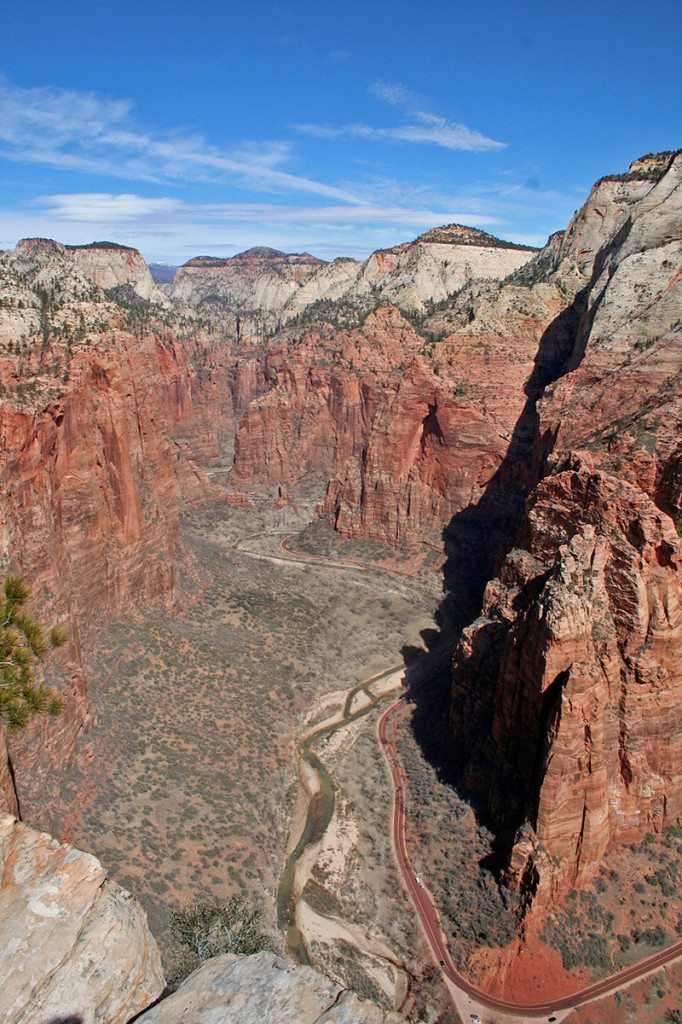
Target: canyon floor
[(186, 776)]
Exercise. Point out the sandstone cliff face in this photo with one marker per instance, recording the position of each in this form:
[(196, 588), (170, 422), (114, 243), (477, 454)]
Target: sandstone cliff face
[(73, 942), (104, 264), (255, 285), (437, 437), (320, 394), (263, 989), (410, 430), (566, 691), (267, 288), (107, 415)]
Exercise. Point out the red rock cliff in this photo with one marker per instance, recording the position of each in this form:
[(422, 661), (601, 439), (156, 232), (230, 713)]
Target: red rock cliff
[(102, 431), (566, 691)]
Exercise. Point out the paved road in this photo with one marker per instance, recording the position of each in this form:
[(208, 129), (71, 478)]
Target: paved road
[(428, 915)]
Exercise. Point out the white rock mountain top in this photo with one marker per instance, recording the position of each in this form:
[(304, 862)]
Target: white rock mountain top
[(263, 989), (268, 286), (72, 942)]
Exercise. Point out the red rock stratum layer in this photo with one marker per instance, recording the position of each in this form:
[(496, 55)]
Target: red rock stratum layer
[(566, 692)]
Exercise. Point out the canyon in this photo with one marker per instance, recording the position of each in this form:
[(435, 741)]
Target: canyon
[(513, 413)]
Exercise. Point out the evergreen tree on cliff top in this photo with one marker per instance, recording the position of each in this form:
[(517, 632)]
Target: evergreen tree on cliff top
[(22, 643)]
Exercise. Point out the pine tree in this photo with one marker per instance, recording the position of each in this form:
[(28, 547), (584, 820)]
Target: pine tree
[(22, 643)]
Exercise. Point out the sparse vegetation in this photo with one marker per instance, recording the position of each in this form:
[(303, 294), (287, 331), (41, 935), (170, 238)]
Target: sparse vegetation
[(624, 917), (210, 925)]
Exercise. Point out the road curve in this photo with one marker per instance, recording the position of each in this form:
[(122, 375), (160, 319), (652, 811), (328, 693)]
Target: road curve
[(430, 921), (426, 911)]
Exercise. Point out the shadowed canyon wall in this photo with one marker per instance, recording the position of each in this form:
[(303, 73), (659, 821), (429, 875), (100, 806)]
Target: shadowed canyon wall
[(567, 688)]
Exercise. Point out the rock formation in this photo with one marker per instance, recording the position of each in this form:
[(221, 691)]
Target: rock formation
[(76, 945), (263, 989), (265, 288), (106, 265), (109, 407), (73, 942), (567, 688)]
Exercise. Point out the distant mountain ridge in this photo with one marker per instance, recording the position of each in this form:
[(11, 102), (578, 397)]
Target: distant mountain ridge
[(267, 288), (162, 273)]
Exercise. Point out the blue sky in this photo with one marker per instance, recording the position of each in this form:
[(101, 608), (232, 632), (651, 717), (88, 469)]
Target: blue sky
[(190, 127)]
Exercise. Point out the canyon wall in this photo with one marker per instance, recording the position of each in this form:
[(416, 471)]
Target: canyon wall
[(265, 288), (109, 408), (567, 688)]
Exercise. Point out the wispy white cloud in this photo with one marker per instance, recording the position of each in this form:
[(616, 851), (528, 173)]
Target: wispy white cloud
[(84, 132), (422, 126), (426, 128), (170, 229), (105, 208), (76, 131), (112, 209), (395, 94)]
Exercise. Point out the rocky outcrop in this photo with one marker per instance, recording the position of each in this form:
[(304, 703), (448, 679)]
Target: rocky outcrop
[(253, 288), (321, 394), (74, 943), (265, 288), (410, 430), (566, 688), (263, 989), (106, 416), (104, 264)]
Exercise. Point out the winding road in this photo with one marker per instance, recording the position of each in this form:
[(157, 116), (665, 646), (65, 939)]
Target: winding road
[(457, 984), (430, 921)]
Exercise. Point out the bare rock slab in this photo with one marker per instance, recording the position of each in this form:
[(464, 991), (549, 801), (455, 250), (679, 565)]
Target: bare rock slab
[(263, 989), (71, 941)]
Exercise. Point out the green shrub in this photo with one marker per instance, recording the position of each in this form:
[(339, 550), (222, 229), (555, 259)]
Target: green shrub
[(211, 925)]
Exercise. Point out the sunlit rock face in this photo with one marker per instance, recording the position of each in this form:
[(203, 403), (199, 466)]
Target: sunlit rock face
[(74, 943), (266, 288), (263, 989), (566, 690)]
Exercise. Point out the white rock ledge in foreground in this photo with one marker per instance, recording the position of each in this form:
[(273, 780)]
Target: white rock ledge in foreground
[(72, 942), (263, 989)]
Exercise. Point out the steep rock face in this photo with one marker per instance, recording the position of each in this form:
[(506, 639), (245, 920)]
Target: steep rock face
[(104, 264), (320, 394), (411, 431), (435, 265), (263, 989), (254, 286), (437, 437), (267, 288), (570, 684), (566, 690), (73, 942), (107, 415)]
